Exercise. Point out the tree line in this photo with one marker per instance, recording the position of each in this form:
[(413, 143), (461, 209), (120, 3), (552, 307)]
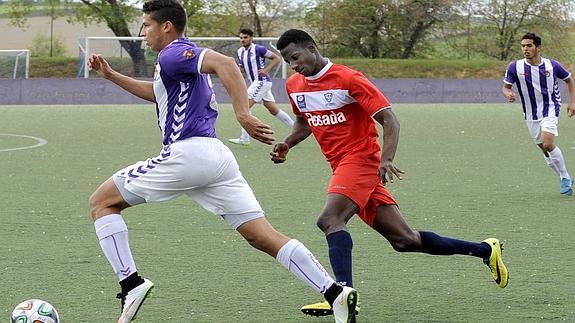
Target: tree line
[(458, 29)]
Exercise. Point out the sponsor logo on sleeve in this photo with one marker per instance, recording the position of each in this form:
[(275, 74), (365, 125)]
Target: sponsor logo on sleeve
[(300, 100)]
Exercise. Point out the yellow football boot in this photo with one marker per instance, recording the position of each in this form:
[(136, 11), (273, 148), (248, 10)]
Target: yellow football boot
[(495, 263), (321, 309)]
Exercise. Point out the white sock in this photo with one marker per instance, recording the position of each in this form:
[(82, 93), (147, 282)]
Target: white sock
[(551, 164), (301, 262), (113, 234), (557, 156), (245, 135), (285, 118)]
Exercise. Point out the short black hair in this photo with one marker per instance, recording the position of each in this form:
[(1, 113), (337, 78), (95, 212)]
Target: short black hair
[(536, 39), (167, 10), (295, 36), (247, 31)]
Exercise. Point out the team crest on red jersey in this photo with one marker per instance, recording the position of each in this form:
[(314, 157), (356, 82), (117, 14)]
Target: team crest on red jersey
[(328, 96), (189, 54)]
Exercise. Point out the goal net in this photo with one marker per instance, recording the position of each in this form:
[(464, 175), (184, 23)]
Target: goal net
[(14, 63), (130, 55)]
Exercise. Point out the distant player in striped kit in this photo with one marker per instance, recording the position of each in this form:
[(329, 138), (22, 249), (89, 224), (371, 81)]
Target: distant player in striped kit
[(193, 162), (251, 59), (536, 81)]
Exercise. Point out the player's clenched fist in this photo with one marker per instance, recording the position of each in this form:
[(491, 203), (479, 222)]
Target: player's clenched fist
[(279, 153), (509, 94), (99, 64), (510, 97)]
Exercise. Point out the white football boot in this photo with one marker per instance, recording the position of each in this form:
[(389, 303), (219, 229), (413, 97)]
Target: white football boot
[(239, 141), (344, 306), (134, 300)]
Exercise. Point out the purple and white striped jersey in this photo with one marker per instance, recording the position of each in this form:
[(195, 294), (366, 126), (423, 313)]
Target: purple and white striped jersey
[(253, 60), (185, 101), (537, 86)]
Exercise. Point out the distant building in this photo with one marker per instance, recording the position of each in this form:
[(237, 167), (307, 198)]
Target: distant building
[(13, 37)]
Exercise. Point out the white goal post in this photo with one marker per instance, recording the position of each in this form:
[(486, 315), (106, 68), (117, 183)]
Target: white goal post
[(16, 55), (87, 45)]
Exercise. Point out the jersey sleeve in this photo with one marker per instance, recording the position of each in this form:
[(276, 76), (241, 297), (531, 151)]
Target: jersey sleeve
[(268, 54), (511, 73), (560, 71), (261, 51), (367, 94), (182, 62)]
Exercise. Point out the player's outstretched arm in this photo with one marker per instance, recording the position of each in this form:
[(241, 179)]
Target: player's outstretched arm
[(387, 170), (229, 74), (299, 132), (142, 89), (571, 89)]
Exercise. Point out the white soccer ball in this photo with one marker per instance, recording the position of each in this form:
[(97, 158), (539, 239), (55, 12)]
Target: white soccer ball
[(34, 311)]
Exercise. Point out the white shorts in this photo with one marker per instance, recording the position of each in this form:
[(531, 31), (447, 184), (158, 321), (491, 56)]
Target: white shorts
[(202, 168), (547, 124), (261, 90)]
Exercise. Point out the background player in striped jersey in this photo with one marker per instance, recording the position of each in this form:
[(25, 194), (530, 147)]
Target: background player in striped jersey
[(536, 81), (251, 59), (338, 105), (193, 161)]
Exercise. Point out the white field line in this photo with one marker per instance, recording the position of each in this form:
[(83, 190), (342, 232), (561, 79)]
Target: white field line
[(39, 142)]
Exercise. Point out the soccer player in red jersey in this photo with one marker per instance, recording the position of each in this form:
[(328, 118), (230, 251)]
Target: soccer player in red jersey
[(338, 105)]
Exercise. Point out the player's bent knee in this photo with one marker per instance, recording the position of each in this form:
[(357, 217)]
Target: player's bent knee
[(94, 206), (273, 110), (322, 224), (262, 243), (101, 206), (262, 236), (329, 224), (548, 147)]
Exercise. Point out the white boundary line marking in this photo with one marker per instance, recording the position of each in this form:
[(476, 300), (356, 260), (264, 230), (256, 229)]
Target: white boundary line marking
[(40, 142)]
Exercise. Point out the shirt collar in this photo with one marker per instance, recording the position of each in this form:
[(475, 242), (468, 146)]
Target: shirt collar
[(322, 72)]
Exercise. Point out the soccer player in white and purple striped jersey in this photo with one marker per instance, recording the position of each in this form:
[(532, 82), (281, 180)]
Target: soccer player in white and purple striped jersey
[(536, 81), (251, 59), (193, 162)]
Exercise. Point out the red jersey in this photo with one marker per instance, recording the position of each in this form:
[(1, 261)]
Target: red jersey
[(338, 104)]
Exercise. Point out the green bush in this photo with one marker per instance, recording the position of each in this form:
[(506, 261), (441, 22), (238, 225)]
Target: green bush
[(41, 46), (65, 67)]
